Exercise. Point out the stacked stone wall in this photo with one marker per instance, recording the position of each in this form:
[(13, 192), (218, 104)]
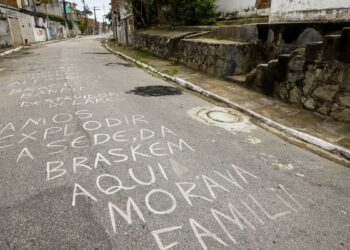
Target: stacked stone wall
[(221, 58), (316, 78)]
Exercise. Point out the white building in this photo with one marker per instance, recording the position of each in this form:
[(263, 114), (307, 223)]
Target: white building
[(123, 23), (242, 8), (310, 10)]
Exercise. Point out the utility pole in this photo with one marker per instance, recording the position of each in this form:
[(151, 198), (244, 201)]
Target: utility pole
[(85, 15), (103, 20), (95, 20), (7, 9), (34, 13)]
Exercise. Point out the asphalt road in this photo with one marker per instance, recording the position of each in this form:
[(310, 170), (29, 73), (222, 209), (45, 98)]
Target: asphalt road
[(98, 154)]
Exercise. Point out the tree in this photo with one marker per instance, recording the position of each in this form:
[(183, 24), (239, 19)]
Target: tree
[(194, 12), (184, 12), (109, 16)]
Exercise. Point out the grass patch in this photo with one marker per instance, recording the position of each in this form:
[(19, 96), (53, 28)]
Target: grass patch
[(174, 62), (170, 72), (140, 53)]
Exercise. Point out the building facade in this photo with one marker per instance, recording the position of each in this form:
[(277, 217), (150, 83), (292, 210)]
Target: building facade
[(23, 23), (122, 22), (243, 8), (310, 10)]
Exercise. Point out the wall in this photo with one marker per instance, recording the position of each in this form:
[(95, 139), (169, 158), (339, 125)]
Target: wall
[(221, 58), (15, 31), (123, 22), (217, 58), (162, 43), (283, 38), (239, 8), (310, 10), (40, 35), (56, 31), (12, 3), (229, 6), (27, 28), (25, 4), (5, 35), (14, 25), (316, 78), (54, 8)]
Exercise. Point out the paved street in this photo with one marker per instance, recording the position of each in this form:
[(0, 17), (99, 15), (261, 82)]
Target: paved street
[(98, 154)]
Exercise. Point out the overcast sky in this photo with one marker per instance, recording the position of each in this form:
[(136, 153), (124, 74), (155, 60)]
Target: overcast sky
[(95, 3)]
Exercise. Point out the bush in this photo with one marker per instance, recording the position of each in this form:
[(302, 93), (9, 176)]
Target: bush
[(194, 12), (82, 26)]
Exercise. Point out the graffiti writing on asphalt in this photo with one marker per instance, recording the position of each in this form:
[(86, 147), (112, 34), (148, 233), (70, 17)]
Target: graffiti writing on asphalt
[(137, 172)]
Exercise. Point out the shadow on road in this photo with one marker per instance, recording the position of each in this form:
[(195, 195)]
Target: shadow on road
[(155, 90), (97, 53), (121, 64)]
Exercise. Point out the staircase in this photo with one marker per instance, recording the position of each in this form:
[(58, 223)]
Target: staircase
[(266, 75)]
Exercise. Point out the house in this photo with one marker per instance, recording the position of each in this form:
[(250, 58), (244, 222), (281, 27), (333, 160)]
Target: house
[(311, 10), (122, 22), (54, 8), (243, 8), (90, 24)]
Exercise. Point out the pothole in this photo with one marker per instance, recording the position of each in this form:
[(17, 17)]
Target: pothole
[(226, 118)]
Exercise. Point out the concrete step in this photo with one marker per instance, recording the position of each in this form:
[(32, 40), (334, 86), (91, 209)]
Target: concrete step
[(247, 20), (262, 66), (330, 47), (345, 45), (239, 79), (214, 41), (227, 32), (313, 51)]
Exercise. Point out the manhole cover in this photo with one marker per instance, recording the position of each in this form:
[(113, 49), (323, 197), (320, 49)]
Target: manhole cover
[(224, 117)]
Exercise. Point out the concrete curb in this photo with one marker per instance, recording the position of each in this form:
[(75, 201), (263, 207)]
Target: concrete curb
[(11, 51), (54, 41), (332, 148), (35, 45)]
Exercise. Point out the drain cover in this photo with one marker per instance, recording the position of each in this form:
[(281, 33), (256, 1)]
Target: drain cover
[(226, 118)]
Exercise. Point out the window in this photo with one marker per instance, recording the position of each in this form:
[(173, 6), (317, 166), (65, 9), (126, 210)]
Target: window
[(263, 4)]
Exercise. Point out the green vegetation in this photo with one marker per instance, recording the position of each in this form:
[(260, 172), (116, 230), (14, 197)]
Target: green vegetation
[(82, 26), (70, 24), (170, 72), (194, 12), (174, 61), (182, 12), (142, 54)]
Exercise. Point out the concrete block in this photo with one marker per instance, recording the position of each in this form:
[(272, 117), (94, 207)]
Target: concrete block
[(330, 50)]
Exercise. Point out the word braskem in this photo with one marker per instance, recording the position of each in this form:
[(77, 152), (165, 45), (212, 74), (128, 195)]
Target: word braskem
[(139, 159)]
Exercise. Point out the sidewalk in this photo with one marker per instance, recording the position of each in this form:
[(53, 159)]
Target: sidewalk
[(8, 51), (5, 52), (304, 121)]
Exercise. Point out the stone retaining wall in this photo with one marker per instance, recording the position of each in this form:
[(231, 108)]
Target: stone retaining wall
[(214, 57), (219, 59), (161, 43), (317, 78)]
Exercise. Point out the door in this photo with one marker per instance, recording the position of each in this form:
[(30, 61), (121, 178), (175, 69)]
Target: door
[(15, 31)]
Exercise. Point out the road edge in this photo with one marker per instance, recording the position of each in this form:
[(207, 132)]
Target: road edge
[(315, 141), (10, 51)]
